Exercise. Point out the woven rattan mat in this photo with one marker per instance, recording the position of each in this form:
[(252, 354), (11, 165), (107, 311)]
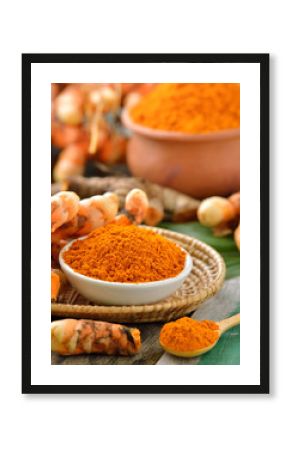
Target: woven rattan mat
[(205, 279)]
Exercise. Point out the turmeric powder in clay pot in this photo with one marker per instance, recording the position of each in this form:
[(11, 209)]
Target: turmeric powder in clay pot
[(187, 137), (194, 108)]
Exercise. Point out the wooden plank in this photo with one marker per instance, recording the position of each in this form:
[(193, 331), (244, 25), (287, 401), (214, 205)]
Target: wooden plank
[(224, 304)]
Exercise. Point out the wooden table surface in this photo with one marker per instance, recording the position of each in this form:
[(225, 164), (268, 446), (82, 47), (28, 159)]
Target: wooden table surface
[(224, 304)]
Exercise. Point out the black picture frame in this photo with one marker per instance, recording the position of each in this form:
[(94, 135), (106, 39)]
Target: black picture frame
[(263, 61)]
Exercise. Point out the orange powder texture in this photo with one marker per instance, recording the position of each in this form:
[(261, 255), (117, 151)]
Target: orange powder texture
[(125, 254), (190, 108), (186, 334)]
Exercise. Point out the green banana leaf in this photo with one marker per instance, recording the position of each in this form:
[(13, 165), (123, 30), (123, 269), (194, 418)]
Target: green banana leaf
[(224, 245)]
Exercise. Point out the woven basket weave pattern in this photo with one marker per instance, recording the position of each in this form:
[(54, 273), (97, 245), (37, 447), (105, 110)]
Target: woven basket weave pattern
[(205, 279)]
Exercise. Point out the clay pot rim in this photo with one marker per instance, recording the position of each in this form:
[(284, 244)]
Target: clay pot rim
[(177, 135)]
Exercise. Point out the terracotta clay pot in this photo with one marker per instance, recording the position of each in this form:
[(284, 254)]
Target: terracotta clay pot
[(199, 165)]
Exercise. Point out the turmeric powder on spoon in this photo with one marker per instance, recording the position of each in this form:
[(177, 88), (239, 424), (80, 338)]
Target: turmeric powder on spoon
[(189, 338), (187, 335)]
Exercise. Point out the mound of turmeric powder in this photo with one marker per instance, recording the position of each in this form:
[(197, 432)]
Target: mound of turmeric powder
[(125, 253), (187, 334), (190, 107)]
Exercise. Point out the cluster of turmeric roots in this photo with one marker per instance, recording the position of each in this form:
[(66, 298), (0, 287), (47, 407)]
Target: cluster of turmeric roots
[(85, 124), (222, 215), (72, 218)]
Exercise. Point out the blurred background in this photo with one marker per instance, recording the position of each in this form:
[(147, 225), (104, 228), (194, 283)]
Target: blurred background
[(87, 134), (184, 136)]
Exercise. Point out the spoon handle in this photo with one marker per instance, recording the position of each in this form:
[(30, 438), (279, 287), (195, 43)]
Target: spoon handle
[(228, 323)]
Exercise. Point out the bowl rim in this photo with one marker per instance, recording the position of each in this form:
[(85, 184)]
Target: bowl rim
[(182, 275), (176, 135)]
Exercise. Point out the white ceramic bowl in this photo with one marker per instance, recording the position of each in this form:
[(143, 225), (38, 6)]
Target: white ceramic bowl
[(113, 293)]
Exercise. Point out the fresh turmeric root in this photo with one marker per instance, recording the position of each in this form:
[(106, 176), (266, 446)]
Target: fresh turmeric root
[(73, 337), (57, 280), (234, 199), (155, 212), (71, 161), (136, 204), (112, 148), (95, 212), (64, 206), (214, 211), (222, 215), (163, 202), (55, 285), (63, 135), (92, 213), (69, 106), (237, 236), (122, 219)]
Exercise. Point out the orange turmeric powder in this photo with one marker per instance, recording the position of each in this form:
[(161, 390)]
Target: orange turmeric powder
[(125, 253), (190, 107), (186, 334)]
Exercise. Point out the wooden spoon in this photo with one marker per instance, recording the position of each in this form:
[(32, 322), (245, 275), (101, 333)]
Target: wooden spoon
[(223, 325)]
